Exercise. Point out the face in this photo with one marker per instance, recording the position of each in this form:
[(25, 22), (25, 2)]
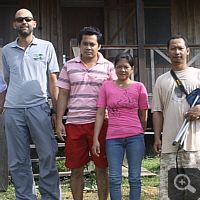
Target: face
[(177, 51), (24, 27), (123, 69), (89, 46)]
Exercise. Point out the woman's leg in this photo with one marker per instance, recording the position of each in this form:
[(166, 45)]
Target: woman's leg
[(115, 155), (134, 151)]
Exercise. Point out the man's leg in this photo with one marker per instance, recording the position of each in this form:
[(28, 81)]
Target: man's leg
[(77, 183), (100, 162), (102, 183), (17, 135), (39, 123)]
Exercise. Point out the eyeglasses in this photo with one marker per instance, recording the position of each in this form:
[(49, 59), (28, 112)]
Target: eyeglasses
[(21, 19)]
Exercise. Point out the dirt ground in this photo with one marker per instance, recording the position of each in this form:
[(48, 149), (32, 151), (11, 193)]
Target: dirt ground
[(149, 193)]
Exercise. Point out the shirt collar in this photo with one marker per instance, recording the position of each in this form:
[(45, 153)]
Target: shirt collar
[(34, 42), (99, 61)]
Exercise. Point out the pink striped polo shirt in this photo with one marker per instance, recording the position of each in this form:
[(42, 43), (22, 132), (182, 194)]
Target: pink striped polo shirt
[(84, 85)]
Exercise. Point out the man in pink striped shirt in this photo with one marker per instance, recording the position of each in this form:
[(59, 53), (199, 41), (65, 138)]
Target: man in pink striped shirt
[(79, 84)]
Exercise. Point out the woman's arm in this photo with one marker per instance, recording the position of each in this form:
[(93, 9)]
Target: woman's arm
[(143, 118), (97, 128)]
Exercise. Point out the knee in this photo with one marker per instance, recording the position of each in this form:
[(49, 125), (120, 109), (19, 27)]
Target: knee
[(20, 165), (134, 180), (77, 172), (115, 179), (103, 172)]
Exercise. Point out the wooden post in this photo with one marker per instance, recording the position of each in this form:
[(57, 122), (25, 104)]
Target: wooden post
[(3, 157), (140, 37)]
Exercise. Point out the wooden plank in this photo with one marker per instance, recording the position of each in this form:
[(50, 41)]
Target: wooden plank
[(121, 27), (140, 37), (163, 55), (193, 59), (76, 51), (73, 43), (32, 146), (152, 69)]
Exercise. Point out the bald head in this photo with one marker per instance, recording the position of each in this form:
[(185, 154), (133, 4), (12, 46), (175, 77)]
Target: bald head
[(23, 13)]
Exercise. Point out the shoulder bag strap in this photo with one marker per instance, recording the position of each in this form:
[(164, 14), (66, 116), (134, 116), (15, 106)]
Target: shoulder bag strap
[(177, 80)]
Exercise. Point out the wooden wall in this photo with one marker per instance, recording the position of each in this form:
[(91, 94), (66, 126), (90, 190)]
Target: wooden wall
[(7, 32), (48, 15), (185, 20)]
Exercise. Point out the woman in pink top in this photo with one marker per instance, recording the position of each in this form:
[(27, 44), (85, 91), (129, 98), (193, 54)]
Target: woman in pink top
[(122, 98)]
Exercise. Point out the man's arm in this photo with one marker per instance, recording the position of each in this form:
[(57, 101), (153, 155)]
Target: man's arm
[(143, 118), (2, 100), (61, 107), (157, 125), (53, 90)]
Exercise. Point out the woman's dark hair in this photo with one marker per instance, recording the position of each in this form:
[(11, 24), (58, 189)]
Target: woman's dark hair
[(126, 56), (177, 37), (90, 31)]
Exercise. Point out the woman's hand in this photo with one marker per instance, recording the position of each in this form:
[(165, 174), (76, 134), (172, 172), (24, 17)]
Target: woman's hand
[(96, 148)]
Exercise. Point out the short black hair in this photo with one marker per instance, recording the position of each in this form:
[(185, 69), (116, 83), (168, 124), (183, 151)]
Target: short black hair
[(177, 37), (90, 31), (126, 56)]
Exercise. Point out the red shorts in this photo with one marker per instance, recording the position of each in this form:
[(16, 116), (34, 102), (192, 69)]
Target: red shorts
[(78, 143)]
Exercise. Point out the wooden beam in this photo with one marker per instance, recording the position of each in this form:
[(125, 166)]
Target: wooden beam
[(140, 37), (163, 55), (121, 27), (152, 69), (193, 59)]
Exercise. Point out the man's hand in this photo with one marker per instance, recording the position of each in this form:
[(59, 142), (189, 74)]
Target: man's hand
[(193, 113), (157, 146), (53, 121), (96, 148), (59, 130)]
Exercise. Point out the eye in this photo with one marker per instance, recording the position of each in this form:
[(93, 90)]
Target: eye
[(92, 44), (84, 43)]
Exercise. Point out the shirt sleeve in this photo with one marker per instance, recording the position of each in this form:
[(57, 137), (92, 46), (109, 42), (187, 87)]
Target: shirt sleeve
[(3, 85), (63, 79), (6, 69), (53, 66), (102, 100), (156, 102), (143, 98)]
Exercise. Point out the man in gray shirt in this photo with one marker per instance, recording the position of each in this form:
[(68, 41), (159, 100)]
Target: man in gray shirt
[(29, 64)]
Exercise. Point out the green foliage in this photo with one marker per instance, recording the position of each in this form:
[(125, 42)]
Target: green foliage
[(35, 168), (152, 164), (61, 166), (149, 162), (149, 151)]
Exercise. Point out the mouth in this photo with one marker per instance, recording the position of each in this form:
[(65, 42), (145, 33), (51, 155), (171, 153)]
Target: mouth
[(88, 52), (24, 27)]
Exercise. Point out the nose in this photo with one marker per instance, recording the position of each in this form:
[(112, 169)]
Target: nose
[(88, 46), (24, 21), (177, 51)]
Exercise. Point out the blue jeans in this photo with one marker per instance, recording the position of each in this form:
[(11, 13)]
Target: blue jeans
[(134, 147)]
